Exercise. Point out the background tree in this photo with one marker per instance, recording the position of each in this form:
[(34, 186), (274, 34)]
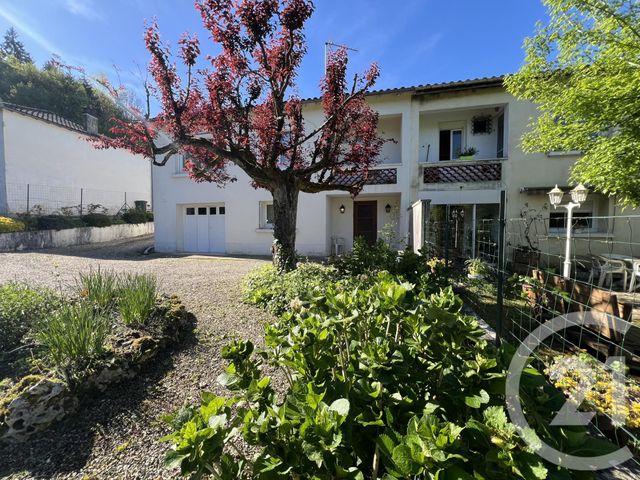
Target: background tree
[(57, 89), (583, 71), (241, 109), (12, 47)]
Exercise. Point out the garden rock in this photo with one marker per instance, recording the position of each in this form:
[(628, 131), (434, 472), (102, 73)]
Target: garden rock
[(32, 405)]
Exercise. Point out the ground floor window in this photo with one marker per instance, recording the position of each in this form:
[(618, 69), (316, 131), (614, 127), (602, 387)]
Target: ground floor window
[(266, 215)]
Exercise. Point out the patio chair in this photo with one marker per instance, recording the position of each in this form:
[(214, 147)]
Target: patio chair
[(609, 267), (583, 268), (635, 277)]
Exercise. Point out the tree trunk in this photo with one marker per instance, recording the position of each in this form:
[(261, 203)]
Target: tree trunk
[(285, 212)]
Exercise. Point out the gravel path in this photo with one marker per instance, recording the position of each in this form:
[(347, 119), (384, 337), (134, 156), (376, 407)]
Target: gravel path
[(116, 435)]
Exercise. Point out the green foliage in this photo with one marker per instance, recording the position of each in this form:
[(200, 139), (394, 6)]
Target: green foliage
[(367, 259), (276, 292), (137, 296), (10, 225), (55, 222), (72, 336), (383, 381), (582, 71), (55, 89), (135, 216), (20, 308), (100, 288), (477, 267), (97, 220)]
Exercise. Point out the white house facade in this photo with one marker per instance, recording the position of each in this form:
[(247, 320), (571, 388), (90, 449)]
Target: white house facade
[(420, 179), (47, 162)]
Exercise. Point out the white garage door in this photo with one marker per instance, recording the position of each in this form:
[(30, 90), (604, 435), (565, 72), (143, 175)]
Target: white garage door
[(204, 228)]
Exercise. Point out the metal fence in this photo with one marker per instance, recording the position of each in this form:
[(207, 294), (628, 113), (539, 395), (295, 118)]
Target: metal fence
[(529, 281), (49, 199)]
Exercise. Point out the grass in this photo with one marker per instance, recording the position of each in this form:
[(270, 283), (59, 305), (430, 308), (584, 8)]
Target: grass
[(74, 334), (137, 298), (100, 288)]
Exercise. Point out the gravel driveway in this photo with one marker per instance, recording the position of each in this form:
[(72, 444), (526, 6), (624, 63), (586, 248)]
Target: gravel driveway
[(116, 435)]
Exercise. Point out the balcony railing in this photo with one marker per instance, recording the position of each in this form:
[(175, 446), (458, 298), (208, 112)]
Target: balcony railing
[(376, 176), (462, 171)]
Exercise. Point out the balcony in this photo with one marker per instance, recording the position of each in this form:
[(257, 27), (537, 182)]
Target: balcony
[(462, 171), (377, 176)]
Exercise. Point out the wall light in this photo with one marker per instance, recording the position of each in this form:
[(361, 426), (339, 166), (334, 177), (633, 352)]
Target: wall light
[(387, 208), (342, 209)]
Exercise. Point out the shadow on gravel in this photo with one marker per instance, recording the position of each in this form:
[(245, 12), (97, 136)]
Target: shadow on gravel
[(66, 447), (130, 249)]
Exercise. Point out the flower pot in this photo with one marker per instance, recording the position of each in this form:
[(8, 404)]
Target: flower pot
[(467, 157)]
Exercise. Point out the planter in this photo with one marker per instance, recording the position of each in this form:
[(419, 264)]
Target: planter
[(466, 157)]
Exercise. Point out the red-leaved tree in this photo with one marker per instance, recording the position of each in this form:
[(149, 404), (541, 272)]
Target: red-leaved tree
[(241, 109)]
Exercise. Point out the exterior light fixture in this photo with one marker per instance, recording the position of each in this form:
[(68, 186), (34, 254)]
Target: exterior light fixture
[(342, 209), (578, 196), (387, 208), (555, 196)]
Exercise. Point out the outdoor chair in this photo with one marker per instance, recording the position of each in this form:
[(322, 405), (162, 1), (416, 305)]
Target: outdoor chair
[(607, 268), (635, 277)]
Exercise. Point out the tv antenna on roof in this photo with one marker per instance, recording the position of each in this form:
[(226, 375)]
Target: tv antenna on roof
[(327, 48)]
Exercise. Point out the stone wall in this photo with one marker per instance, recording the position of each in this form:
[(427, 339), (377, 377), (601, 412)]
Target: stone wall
[(11, 242)]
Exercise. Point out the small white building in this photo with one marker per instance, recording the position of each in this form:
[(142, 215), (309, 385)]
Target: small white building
[(48, 164), (420, 180)]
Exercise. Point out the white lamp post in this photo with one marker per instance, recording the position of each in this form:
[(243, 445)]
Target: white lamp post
[(578, 196)]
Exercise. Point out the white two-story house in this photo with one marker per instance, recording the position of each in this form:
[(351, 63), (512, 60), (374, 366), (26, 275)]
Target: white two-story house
[(421, 181)]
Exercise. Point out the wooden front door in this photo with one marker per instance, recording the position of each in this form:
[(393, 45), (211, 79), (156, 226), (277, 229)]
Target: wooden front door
[(365, 221)]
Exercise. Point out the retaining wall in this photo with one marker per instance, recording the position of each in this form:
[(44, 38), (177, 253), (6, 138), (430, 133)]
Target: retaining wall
[(10, 242)]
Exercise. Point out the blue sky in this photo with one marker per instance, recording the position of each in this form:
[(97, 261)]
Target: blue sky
[(413, 41)]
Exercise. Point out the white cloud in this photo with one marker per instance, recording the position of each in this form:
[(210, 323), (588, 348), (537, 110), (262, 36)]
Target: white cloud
[(83, 8)]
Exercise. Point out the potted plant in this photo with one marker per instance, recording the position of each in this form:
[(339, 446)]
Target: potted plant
[(477, 269), (468, 153)]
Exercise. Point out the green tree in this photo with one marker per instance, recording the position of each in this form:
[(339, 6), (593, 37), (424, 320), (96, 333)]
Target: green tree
[(54, 88), (583, 71), (12, 47)]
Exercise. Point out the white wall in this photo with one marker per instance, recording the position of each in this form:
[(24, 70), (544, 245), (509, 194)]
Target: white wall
[(39, 153)]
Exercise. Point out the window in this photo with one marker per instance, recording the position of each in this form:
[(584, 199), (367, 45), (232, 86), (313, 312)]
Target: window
[(222, 210), (212, 210), (481, 125), (191, 211), (450, 144), (266, 215), (582, 221), (202, 210), (181, 161), (500, 135)]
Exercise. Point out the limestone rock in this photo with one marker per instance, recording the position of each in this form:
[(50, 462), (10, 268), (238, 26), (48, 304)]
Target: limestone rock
[(32, 405)]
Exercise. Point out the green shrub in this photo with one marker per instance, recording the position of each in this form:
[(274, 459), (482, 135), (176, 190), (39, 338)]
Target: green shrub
[(99, 288), (382, 382), (97, 220), (137, 298), (269, 289), (149, 215), (56, 222), (11, 225), (20, 308), (135, 216), (72, 336)]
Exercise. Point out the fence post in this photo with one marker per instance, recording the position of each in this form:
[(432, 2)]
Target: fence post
[(447, 212), (501, 267), (28, 209), (81, 199)]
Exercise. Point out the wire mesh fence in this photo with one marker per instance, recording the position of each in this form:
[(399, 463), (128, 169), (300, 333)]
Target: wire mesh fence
[(36, 199), (535, 281)]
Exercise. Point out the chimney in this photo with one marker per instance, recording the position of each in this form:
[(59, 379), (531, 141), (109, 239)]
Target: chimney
[(91, 124)]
